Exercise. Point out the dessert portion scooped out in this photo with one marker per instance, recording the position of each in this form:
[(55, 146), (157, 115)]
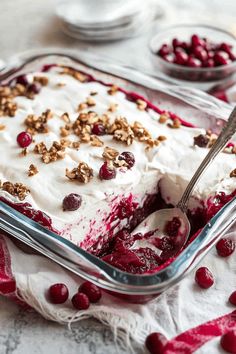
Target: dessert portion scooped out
[(90, 161)]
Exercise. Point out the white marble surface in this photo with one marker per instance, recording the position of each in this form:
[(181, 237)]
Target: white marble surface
[(27, 24)]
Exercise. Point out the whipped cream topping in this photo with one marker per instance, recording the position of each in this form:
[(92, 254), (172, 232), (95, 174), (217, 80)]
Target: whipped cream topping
[(167, 167)]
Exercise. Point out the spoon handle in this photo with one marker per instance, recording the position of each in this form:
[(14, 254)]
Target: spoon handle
[(227, 132)]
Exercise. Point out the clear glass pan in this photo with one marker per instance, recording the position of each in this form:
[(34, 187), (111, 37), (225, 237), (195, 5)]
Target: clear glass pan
[(204, 110)]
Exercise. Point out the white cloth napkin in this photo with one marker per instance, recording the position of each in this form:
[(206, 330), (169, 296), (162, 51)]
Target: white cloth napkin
[(181, 307)]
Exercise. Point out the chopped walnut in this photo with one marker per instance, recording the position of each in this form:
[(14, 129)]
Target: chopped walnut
[(65, 117), (24, 152), (32, 170), (38, 124), (110, 153), (112, 90), (60, 84), (141, 104), (113, 107), (40, 148), (2, 127), (43, 80), (233, 173), (121, 131), (175, 124), (82, 106), (90, 102), (161, 138), (93, 93), (64, 131), (140, 132), (95, 141), (18, 190), (74, 73), (75, 145), (83, 173), (163, 118)]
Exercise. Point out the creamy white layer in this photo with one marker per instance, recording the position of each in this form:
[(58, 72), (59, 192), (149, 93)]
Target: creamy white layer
[(172, 163)]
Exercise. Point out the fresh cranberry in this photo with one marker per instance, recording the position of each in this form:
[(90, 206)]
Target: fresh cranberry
[(176, 43), (221, 58), (98, 129), (209, 63), (204, 278), (172, 227), (80, 301), (71, 202), (22, 79), (169, 58), (155, 343), (232, 298), (201, 140), (225, 247), (128, 157), (200, 53), (210, 54), (164, 50), (197, 41), (181, 57), (194, 62), (91, 290), (225, 47), (107, 172), (34, 88), (24, 139), (228, 342), (58, 293)]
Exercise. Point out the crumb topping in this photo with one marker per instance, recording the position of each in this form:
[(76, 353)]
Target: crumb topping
[(38, 124), (110, 153), (32, 170), (83, 173), (18, 190)]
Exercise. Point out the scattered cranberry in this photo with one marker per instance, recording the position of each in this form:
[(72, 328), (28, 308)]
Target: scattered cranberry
[(201, 140), (91, 290), (80, 301), (58, 293), (155, 343), (24, 139), (225, 247), (128, 157), (34, 88), (204, 278), (22, 79), (71, 202), (172, 227), (228, 342), (106, 172), (232, 298), (98, 129)]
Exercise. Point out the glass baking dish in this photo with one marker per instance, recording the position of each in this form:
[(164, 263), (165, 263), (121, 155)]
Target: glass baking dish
[(192, 105)]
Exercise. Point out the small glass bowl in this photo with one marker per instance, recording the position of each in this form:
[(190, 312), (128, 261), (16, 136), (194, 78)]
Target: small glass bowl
[(202, 78)]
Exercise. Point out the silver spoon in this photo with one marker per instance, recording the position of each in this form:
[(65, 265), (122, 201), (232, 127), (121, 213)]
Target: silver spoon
[(157, 221)]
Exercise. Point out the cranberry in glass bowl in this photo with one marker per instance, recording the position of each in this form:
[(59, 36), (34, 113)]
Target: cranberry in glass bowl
[(194, 55)]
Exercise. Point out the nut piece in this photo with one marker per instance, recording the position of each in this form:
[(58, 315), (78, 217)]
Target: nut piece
[(95, 141), (121, 131), (42, 80), (32, 170), (163, 118), (2, 127), (18, 190), (175, 124), (38, 124), (112, 90), (110, 153), (141, 104), (233, 173), (56, 151), (113, 107), (83, 173), (74, 73)]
